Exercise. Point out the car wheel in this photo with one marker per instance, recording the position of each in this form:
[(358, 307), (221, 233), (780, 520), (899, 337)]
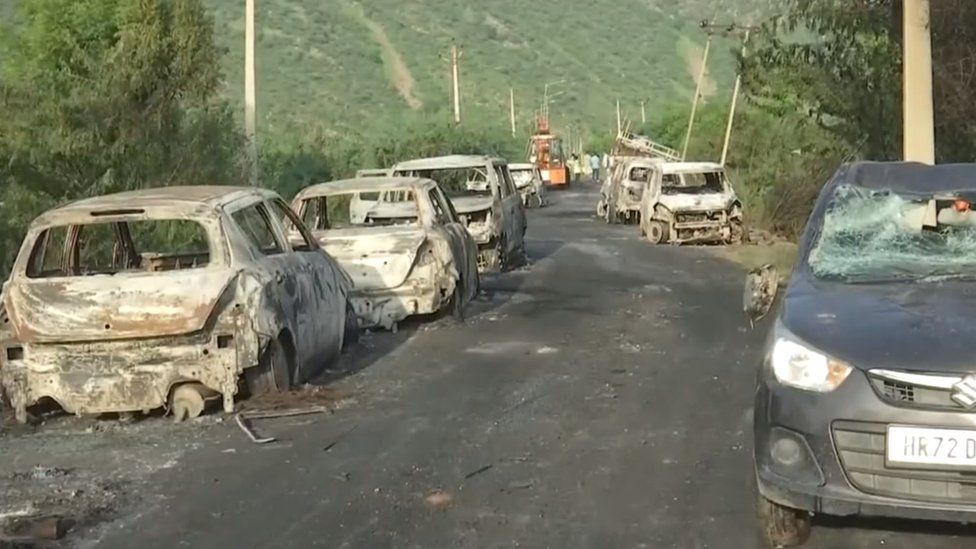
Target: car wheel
[(273, 374), (656, 232), (350, 334), (501, 254), (781, 526), (737, 232)]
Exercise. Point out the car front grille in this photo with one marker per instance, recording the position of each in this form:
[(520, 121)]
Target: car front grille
[(913, 390), (861, 448)]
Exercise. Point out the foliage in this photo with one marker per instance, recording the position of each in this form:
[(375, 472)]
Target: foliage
[(98, 96)]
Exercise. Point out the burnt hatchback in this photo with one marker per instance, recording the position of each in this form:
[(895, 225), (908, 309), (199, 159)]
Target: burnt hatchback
[(866, 396)]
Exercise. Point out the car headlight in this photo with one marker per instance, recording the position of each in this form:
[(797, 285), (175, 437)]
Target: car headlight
[(798, 366)]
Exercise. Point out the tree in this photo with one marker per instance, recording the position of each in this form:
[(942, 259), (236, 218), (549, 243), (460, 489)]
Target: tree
[(98, 96)]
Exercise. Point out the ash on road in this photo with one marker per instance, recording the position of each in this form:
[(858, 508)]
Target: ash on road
[(599, 398)]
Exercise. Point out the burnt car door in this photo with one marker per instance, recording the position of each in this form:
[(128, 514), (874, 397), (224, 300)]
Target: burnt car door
[(511, 204), (322, 289), (463, 247), (276, 268)]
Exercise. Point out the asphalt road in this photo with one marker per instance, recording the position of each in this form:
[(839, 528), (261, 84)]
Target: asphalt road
[(599, 398)]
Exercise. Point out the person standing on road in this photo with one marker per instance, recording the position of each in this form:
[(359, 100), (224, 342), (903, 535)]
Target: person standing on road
[(595, 166), (575, 166)]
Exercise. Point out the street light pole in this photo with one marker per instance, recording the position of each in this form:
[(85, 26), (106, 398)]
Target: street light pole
[(919, 116), (511, 108), (250, 94), (456, 82)]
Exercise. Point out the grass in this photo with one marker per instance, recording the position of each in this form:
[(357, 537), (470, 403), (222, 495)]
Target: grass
[(339, 65)]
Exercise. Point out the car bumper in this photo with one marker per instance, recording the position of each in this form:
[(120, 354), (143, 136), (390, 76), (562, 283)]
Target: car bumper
[(124, 376), (841, 469), (387, 307)]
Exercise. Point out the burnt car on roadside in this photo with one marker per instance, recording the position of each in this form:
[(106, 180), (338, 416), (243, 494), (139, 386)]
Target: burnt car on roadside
[(166, 298), (528, 182), (401, 242), (691, 202), (486, 200), (866, 394)]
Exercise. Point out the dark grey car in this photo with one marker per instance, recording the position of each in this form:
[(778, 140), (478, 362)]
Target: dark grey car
[(866, 397)]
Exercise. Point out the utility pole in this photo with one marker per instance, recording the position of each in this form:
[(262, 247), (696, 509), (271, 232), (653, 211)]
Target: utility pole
[(511, 108), (735, 100), (643, 114), (456, 77), (250, 94), (698, 87), (619, 127), (919, 117)]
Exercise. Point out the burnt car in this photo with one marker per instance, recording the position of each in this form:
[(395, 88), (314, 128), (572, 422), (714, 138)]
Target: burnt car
[(487, 203), (401, 242), (129, 302), (528, 182), (866, 394), (621, 192), (691, 202)]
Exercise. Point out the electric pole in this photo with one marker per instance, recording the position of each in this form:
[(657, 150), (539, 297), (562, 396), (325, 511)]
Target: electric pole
[(250, 94), (643, 114), (456, 77), (919, 117), (735, 100), (698, 87), (511, 108)]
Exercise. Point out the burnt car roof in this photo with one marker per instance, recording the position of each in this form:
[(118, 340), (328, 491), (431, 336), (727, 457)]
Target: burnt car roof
[(189, 198), (365, 183), (909, 178), (458, 161)]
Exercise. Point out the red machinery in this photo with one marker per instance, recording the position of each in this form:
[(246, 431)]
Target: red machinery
[(546, 152)]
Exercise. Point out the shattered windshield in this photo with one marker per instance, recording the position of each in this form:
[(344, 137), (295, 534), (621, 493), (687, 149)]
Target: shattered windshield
[(874, 236)]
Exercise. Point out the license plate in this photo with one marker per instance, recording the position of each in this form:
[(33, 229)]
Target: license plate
[(919, 446)]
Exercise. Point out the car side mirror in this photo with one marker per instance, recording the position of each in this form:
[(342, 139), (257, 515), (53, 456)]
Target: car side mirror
[(760, 290)]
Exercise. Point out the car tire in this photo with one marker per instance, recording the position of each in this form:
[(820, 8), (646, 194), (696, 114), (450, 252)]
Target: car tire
[(656, 232), (351, 331), (781, 526), (274, 371), (456, 305)]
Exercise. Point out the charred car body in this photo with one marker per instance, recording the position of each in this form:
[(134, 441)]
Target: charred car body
[(116, 303), (690, 202), (621, 192), (528, 181), (400, 241), (866, 397), (484, 196)]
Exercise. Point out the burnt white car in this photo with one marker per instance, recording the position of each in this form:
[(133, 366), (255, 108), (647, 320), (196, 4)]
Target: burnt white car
[(686, 202), (401, 242), (484, 195), (622, 190), (133, 301), (528, 182)]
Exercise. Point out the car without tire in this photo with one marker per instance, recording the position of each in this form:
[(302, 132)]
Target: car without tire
[(487, 203), (116, 302), (401, 242)]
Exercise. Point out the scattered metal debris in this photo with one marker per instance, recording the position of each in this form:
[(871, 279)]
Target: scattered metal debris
[(478, 471)]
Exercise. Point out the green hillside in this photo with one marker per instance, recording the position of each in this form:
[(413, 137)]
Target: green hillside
[(342, 66)]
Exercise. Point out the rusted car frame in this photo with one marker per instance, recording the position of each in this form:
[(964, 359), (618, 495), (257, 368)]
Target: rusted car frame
[(484, 195), (621, 192), (400, 241), (529, 183), (99, 315)]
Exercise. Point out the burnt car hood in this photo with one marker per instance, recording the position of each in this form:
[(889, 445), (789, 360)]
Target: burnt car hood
[(926, 327)]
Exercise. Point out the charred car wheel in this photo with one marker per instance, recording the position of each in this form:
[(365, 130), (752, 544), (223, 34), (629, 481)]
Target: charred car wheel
[(656, 232), (456, 305), (350, 335), (273, 374), (781, 526)]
